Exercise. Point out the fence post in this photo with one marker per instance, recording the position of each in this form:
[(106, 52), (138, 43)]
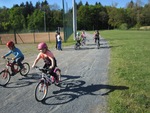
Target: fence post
[(34, 36), (49, 36), (0, 40), (15, 39)]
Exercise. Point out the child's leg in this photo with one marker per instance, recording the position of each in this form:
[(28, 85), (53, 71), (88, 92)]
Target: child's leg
[(59, 45), (19, 62)]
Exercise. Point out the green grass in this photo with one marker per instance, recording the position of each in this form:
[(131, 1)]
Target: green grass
[(130, 67)]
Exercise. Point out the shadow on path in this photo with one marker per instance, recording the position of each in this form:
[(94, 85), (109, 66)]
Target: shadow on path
[(74, 89)]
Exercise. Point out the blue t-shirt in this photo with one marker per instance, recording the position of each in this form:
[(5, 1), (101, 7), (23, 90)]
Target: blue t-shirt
[(16, 52)]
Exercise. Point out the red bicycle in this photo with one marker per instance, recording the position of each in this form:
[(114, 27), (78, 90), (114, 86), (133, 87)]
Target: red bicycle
[(5, 74)]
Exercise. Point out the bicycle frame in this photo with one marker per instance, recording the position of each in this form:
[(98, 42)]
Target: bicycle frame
[(9, 65), (46, 79)]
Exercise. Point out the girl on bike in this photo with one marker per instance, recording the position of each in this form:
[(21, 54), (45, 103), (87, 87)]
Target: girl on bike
[(96, 36), (83, 37), (19, 57), (48, 57)]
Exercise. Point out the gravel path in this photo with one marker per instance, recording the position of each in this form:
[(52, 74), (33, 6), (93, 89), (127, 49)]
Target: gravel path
[(84, 84)]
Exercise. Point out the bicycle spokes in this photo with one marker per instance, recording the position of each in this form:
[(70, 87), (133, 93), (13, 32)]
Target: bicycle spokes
[(4, 77), (41, 91)]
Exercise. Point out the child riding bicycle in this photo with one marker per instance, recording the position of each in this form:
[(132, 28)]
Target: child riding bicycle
[(19, 57), (96, 36), (48, 57)]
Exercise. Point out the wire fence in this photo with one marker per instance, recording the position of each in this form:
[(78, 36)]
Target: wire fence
[(67, 20), (29, 37)]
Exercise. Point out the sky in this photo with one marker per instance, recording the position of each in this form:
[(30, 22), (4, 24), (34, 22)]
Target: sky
[(120, 3)]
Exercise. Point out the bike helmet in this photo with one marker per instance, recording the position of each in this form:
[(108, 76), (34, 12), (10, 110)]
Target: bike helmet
[(10, 44), (42, 45)]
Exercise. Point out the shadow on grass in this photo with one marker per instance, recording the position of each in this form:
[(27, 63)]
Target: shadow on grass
[(112, 88)]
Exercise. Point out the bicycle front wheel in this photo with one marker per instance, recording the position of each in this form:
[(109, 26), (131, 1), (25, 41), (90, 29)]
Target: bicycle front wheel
[(4, 77), (41, 91), (98, 44), (25, 70)]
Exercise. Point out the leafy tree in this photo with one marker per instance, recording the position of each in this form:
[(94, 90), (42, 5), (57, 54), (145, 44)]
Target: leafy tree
[(16, 18), (79, 4), (83, 18), (35, 21), (4, 19), (145, 20)]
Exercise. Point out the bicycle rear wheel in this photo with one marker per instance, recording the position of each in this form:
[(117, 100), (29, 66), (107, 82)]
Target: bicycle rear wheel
[(25, 70), (41, 91), (4, 77), (98, 44), (58, 73)]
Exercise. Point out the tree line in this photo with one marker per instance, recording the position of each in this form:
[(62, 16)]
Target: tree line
[(43, 16)]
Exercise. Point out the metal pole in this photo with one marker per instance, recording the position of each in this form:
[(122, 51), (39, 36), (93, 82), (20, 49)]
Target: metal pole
[(64, 21), (74, 19), (44, 22)]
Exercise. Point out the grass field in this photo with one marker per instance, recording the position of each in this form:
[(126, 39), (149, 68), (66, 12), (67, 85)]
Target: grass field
[(130, 67)]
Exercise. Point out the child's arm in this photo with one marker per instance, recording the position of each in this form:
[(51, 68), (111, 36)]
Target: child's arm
[(35, 61), (53, 63), (7, 54)]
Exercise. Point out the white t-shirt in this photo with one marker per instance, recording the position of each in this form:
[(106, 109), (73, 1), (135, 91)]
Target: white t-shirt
[(58, 38)]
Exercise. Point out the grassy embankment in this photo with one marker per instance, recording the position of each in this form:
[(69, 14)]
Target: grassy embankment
[(130, 67)]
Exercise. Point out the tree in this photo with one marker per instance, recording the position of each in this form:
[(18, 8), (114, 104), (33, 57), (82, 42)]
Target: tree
[(79, 4), (4, 19), (16, 18), (145, 20), (35, 21)]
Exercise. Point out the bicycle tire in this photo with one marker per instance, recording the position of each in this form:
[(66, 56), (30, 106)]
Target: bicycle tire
[(75, 47), (4, 77), (24, 71), (98, 44), (41, 91), (58, 73)]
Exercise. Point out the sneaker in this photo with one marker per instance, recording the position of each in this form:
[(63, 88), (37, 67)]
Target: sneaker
[(57, 83)]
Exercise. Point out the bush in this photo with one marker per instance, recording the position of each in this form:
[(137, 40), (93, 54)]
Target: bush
[(123, 26)]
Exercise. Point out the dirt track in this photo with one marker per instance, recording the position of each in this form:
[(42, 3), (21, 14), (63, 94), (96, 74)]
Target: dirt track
[(83, 89)]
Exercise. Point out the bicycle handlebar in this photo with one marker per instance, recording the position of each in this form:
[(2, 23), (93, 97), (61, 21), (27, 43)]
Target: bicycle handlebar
[(8, 59), (41, 69)]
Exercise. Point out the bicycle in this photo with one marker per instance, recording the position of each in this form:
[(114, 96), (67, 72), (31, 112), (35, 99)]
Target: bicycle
[(77, 44), (5, 74), (46, 80), (97, 43)]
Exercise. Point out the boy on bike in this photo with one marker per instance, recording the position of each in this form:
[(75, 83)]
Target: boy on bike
[(19, 57), (78, 38), (48, 57)]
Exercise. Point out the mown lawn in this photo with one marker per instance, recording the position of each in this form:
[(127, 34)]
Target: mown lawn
[(129, 67)]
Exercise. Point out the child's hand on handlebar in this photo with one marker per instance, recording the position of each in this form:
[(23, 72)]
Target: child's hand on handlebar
[(3, 57)]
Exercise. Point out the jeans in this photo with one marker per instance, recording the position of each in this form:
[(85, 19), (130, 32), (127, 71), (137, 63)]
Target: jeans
[(19, 62), (59, 45)]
